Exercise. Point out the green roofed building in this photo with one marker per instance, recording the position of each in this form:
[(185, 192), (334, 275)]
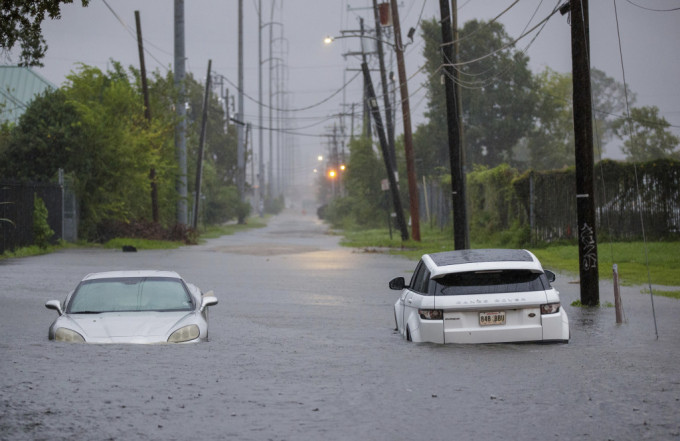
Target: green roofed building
[(18, 86)]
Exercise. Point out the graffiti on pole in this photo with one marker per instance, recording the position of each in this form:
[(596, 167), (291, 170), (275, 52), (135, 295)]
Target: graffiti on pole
[(587, 237)]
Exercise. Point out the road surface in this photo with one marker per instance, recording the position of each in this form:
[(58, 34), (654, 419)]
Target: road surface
[(302, 347)]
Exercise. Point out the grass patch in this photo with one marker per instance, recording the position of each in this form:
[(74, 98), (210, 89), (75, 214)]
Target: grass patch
[(215, 231), (142, 244), (32, 250), (578, 304), (669, 294), (664, 257)]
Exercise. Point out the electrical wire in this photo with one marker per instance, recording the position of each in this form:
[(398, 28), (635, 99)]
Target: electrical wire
[(510, 44), (637, 183), (476, 84), (489, 22), (652, 9), (299, 109), (134, 36)]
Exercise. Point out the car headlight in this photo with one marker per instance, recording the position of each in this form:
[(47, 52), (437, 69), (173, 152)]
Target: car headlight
[(550, 308), (186, 333), (65, 334), (431, 314)]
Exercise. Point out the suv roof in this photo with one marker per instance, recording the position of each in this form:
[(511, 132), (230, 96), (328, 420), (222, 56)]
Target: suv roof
[(457, 261), (132, 274)]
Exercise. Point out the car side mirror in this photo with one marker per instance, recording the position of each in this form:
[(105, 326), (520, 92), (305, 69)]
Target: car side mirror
[(54, 304), (398, 283), (209, 299), (550, 275)]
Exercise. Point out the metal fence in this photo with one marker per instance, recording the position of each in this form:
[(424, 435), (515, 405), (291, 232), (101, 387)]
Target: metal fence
[(627, 198), (16, 212)]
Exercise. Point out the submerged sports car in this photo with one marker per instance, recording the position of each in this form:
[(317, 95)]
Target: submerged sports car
[(480, 296), (132, 307)]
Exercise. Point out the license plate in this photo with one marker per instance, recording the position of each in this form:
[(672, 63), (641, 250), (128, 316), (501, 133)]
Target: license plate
[(491, 318)]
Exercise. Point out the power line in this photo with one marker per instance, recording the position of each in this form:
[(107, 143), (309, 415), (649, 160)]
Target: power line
[(652, 9), (299, 109), (134, 36)]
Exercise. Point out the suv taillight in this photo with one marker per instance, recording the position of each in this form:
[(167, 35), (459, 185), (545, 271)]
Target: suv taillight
[(550, 308), (431, 314)]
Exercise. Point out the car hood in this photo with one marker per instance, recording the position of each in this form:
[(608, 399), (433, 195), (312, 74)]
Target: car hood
[(128, 327)]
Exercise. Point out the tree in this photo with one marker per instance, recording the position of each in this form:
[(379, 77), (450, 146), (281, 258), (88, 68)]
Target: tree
[(497, 94), (219, 196), (42, 140), (609, 102), (20, 23), (362, 205), (94, 129), (111, 158), (430, 140), (646, 136), (550, 143)]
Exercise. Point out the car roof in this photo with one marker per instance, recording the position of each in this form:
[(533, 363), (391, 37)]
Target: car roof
[(459, 261), (132, 274)]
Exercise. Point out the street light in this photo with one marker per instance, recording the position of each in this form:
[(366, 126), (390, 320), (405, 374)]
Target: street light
[(328, 39), (399, 48)]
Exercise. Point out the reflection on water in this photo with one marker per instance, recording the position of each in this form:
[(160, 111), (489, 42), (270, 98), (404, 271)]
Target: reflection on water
[(599, 323)]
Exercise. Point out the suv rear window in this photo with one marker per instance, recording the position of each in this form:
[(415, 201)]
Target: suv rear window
[(490, 282)]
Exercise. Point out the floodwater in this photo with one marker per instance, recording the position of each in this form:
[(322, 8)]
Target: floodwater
[(302, 347)]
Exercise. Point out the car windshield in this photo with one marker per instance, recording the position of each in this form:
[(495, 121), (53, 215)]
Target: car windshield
[(130, 294), (490, 282)]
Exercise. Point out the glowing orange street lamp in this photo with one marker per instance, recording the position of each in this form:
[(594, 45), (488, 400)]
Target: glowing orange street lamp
[(332, 174), (342, 167)]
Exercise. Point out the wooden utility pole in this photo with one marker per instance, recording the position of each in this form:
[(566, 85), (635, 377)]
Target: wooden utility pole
[(367, 111), (180, 128), (240, 149), (385, 89), (394, 187), (201, 144), (583, 139), (147, 115), (408, 136), (452, 120)]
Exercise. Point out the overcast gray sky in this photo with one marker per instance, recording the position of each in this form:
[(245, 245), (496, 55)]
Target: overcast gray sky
[(94, 35)]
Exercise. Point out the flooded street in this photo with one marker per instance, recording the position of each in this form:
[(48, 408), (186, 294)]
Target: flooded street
[(302, 347)]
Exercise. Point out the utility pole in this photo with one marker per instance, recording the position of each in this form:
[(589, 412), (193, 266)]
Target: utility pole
[(394, 187), (452, 120), (270, 164), (201, 143), (386, 92), (240, 146), (260, 176), (147, 114), (367, 116), (408, 136), (180, 129), (252, 155), (583, 140), (459, 107)]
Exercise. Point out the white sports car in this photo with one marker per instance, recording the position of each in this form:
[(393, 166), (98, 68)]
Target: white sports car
[(480, 296), (132, 307)]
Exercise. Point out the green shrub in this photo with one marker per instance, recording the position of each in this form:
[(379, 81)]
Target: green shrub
[(42, 233)]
